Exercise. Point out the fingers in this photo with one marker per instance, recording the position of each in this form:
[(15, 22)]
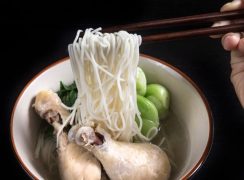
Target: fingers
[(234, 42), (219, 23), (234, 5), (231, 41), (237, 74)]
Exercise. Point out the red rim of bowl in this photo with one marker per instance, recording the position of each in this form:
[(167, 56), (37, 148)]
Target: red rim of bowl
[(186, 176)]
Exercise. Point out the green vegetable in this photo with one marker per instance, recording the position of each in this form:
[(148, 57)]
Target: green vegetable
[(160, 97), (147, 109), (141, 82), (146, 126), (68, 93)]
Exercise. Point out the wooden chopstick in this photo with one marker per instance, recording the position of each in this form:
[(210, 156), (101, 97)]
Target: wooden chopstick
[(208, 17), (202, 18), (193, 33)]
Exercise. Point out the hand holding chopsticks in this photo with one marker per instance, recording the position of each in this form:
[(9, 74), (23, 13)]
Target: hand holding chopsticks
[(188, 20), (234, 42)]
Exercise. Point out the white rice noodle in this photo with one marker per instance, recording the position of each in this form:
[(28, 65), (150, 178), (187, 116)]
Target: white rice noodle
[(104, 68)]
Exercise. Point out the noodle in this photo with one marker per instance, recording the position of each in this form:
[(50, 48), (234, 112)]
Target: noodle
[(104, 68)]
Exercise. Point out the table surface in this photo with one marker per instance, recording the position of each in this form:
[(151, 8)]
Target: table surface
[(34, 37)]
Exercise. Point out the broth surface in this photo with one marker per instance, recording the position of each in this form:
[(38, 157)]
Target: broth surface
[(176, 143)]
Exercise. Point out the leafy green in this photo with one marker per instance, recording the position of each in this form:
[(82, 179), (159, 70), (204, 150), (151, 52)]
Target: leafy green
[(68, 93)]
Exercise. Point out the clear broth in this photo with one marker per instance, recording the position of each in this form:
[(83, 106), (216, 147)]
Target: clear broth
[(176, 142)]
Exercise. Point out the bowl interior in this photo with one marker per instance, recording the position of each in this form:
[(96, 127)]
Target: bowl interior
[(190, 115)]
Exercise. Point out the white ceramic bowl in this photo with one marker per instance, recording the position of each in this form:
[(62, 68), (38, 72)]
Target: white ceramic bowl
[(188, 104)]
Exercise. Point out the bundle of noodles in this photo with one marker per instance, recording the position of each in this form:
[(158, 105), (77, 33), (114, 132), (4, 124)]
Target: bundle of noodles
[(104, 68)]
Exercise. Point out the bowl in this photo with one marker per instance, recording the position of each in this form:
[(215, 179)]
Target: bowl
[(188, 130)]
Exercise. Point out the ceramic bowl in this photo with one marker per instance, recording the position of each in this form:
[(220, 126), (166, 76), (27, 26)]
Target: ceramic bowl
[(188, 105)]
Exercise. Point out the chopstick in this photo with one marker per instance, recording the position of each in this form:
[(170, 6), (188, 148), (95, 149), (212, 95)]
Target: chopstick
[(193, 33), (188, 20), (207, 17)]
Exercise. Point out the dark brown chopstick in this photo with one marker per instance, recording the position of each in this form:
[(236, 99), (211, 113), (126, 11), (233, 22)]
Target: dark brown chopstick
[(209, 17), (193, 33), (237, 16)]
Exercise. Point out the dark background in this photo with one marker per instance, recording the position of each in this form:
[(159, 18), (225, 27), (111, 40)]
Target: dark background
[(34, 35)]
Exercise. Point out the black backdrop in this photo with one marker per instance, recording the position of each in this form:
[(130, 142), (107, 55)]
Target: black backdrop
[(34, 35)]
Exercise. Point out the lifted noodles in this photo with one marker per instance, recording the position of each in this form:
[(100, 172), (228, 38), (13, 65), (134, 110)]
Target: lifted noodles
[(104, 67)]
